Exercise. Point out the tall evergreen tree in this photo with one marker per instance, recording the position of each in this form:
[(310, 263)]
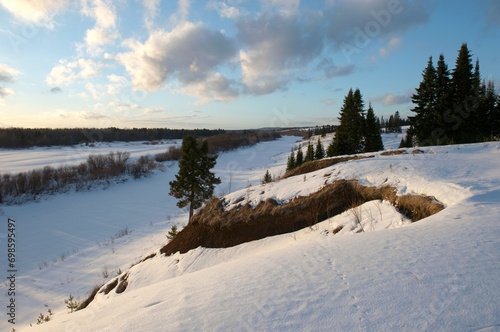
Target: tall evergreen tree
[(464, 83), (299, 158), (425, 101), (320, 151), (194, 183), (349, 137), (373, 139), (291, 161), (309, 152), (444, 104), (267, 178)]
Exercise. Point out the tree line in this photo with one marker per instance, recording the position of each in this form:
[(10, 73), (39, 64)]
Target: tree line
[(105, 169), (456, 106), (29, 137)]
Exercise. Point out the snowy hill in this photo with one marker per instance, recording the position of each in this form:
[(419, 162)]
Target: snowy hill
[(440, 273)]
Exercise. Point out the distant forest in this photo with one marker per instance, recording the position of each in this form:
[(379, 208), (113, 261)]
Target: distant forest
[(25, 137)]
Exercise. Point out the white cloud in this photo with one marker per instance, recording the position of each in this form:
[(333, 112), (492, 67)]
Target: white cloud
[(104, 31), (189, 53), (67, 72), (215, 87), (393, 44), (357, 22), (334, 70), (151, 11), (181, 16), (283, 7), (7, 74), (393, 99), (40, 12), (226, 8), (276, 48), (4, 92)]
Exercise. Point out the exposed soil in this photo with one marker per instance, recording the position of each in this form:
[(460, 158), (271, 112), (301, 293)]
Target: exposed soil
[(214, 227)]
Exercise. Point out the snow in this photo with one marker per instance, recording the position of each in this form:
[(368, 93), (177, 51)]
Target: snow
[(440, 273)]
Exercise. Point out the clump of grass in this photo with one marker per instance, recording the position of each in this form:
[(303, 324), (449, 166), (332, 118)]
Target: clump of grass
[(89, 299), (393, 152), (417, 207)]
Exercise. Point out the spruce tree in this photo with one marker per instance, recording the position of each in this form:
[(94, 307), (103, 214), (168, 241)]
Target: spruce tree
[(464, 83), (291, 161), (444, 104), (349, 134), (373, 139), (397, 122), (309, 152), (320, 151), (425, 101), (267, 178), (194, 183), (299, 158), (172, 233)]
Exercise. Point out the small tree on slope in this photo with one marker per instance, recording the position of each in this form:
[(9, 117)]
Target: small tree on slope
[(195, 183)]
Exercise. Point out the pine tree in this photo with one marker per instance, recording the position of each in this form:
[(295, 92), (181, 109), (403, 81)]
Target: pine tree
[(172, 233), (439, 134), (373, 139), (320, 151), (349, 134), (425, 101), (291, 161), (267, 178), (397, 122), (194, 183), (309, 152), (299, 158), (464, 84)]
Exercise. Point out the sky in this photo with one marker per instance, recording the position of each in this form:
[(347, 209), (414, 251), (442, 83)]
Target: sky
[(229, 64)]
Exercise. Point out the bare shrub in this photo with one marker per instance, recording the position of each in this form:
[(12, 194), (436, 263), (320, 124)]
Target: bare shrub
[(173, 153)]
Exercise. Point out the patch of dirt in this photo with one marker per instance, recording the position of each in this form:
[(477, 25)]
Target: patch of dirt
[(214, 227)]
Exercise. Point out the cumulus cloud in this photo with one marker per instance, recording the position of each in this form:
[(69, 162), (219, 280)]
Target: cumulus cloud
[(67, 72), (392, 99), (4, 92), (151, 11), (226, 8), (215, 87), (7, 74), (275, 48), (104, 31), (393, 44), (189, 53), (334, 70), (357, 22), (40, 12), (55, 90), (282, 7)]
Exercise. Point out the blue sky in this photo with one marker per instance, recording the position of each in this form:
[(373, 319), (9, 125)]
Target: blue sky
[(226, 63)]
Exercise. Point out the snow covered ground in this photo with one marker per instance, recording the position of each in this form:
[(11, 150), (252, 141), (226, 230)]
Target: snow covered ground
[(440, 273)]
